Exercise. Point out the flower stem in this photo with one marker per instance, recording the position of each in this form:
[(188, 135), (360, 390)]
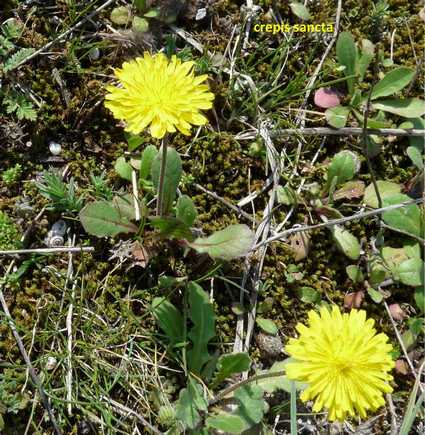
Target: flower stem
[(160, 198)]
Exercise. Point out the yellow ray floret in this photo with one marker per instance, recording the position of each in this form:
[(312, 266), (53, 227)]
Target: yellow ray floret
[(344, 362), (164, 95)]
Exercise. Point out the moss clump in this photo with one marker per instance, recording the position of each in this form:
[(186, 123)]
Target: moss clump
[(12, 175), (9, 233)]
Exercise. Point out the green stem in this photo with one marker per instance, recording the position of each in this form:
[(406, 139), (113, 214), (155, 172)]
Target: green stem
[(160, 197)]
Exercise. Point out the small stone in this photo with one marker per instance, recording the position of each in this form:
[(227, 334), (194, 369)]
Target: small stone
[(396, 312), (51, 363), (55, 148), (269, 345)]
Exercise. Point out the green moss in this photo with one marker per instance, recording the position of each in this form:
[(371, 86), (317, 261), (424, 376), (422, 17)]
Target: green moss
[(9, 233)]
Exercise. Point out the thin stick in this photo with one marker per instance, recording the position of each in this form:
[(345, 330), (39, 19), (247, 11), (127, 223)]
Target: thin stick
[(160, 197), (68, 379), (343, 220), (346, 131), (135, 195), (64, 34), (65, 249)]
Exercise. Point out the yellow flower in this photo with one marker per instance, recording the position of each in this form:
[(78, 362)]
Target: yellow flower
[(160, 93), (343, 361)]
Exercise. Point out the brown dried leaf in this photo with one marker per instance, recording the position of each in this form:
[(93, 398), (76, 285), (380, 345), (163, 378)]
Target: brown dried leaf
[(401, 367), (300, 244), (353, 300), (140, 254), (350, 190), (396, 312)]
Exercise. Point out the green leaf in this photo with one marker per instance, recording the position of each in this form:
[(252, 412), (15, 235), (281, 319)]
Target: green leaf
[(393, 256), (393, 82), (140, 24), (346, 242), (309, 295), (416, 157), (407, 218), (286, 195), (408, 108), (251, 403), (367, 54), (140, 5), (186, 210), (377, 276), (410, 272), (300, 11), (420, 298), (232, 242), (343, 167), (355, 273), (230, 364), (385, 188), (171, 227), (123, 168), (375, 295), (190, 402), (148, 156), (227, 423), (172, 176), (13, 61), (346, 51), (153, 13), (134, 141), (102, 219), (337, 116), (120, 15), (169, 319), (267, 325), (202, 315), (415, 141), (125, 205)]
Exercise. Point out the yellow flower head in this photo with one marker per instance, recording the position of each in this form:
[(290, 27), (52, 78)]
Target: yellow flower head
[(343, 361), (160, 93)]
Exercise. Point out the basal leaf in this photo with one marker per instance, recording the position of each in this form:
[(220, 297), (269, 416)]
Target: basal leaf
[(202, 315), (346, 51), (300, 10), (407, 218), (393, 82), (169, 319), (337, 116), (227, 423), (148, 156), (343, 167), (173, 173), (232, 242), (229, 364), (123, 168), (171, 227), (102, 219), (186, 210), (410, 272), (267, 325), (190, 402), (385, 188), (346, 242), (408, 108)]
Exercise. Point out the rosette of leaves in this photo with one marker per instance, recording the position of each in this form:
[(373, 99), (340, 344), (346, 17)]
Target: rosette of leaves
[(355, 62), (118, 216), (189, 337)]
